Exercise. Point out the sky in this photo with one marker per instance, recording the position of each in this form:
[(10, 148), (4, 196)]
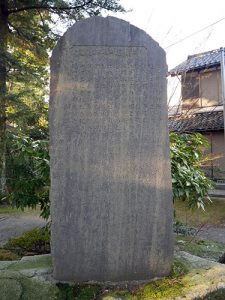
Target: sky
[(171, 21), (168, 21)]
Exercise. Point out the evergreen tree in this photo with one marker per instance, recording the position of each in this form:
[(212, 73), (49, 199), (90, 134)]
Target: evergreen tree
[(27, 35)]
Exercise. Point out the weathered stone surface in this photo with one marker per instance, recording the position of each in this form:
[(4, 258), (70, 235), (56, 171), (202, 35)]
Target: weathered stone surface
[(25, 279), (206, 279), (110, 173), (31, 262)]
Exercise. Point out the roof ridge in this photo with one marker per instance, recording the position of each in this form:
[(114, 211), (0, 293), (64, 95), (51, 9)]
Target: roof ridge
[(203, 53), (198, 61)]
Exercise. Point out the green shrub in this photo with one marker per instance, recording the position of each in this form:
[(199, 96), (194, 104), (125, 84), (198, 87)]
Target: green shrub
[(28, 176), (28, 172), (36, 241), (189, 182), (181, 228)]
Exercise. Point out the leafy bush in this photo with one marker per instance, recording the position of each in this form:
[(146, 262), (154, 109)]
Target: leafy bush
[(28, 172), (188, 179), (36, 241), (181, 228)]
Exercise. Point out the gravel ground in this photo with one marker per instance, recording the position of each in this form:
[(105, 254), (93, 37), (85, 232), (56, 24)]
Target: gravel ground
[(14, 225), (212, 233)]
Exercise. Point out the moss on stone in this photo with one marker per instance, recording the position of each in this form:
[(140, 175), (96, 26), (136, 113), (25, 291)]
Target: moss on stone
[(159, 289), (35, 289), (10, 289), (5, 264), (15, 285), (192, 277), (32, 262), (162, 289)]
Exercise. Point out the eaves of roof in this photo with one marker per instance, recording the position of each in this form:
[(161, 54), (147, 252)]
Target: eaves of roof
[(197, 62), (198, 122)]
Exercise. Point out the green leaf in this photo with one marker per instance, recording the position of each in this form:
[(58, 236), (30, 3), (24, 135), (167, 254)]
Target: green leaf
[(189, 181)]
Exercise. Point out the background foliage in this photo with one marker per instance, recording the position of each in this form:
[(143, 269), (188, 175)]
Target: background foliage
[(28, 178), (29, 182), (28, 33), (188, 179)]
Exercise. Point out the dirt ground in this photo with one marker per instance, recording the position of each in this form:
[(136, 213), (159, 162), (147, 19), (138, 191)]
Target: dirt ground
[(13, 225), (209, 224), (212, 233)]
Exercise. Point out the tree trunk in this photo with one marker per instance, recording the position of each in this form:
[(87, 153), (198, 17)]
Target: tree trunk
[(3, 91)]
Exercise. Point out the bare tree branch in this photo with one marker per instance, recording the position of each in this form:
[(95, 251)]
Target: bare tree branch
[(42, 20), (47, 7)]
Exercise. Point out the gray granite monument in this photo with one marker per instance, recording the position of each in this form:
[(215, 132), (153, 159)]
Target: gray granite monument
[(110, 170)]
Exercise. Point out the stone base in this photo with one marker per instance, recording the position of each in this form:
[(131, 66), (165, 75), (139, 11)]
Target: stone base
[(27, 279)]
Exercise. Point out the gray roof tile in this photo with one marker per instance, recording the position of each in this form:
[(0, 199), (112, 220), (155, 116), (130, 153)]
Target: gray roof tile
[(198, 122), (205, 60)]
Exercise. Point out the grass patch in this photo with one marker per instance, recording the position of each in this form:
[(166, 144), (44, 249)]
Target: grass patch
[(214, 213), (8, 255), (179, 269), (7, 209)]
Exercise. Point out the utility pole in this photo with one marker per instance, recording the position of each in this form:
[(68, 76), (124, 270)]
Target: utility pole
[(222, 67)]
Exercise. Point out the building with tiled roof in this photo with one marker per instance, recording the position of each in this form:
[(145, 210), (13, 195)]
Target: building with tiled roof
[(201, 107), (198, 62), (197, 122)]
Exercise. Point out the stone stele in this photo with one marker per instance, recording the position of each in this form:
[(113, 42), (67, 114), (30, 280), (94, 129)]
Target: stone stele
[(110, 170)]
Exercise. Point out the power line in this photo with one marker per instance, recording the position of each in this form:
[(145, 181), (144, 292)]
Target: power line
[(196, 32)]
